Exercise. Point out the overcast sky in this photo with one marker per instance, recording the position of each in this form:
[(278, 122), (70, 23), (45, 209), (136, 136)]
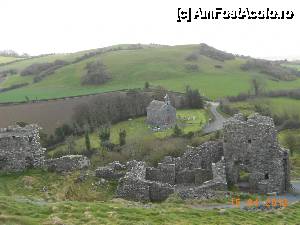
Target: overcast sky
[(47, 26)]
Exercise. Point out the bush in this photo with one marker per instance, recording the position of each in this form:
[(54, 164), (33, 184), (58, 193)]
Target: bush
[(271, 68), (191, 67), (41, 70), (4, 73), (215, 53), (193, 99), (239, 97), (192, 57), (96, 74), (218, 66), (14, 86), (295, 93), (177, 132), (35, 69), (227, 109)]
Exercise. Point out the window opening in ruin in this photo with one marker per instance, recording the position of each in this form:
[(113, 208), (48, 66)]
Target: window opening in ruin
[(13, 137), (249, 141), (266, 176), (30, 139)]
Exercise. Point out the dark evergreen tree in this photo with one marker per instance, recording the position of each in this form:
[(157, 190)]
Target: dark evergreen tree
[(87, 141), (122, 137)]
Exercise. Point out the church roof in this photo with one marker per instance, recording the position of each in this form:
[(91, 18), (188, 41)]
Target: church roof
[(156, 105), (159, 105)]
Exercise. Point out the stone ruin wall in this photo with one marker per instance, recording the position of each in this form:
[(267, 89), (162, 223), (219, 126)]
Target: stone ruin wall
[(196, 174), (134, 186), (248, 144), (67, 163), (20, 148), (251, 145)]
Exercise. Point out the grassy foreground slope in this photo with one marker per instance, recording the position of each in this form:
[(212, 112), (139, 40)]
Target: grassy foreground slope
[(38, 197), (164, 65)]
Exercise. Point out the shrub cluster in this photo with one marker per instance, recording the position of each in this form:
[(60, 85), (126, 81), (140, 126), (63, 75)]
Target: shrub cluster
[(192, 57), (271, 68), (193, 99), (215, 53), (5, 73), (14, 86), (96, 74), (294, 93), (41, 70), (191, 67)]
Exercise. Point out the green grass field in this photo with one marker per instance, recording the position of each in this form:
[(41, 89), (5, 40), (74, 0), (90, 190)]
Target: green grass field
[(6, 59), (131, 68), (279, 106), (37, 197), (137, 129)]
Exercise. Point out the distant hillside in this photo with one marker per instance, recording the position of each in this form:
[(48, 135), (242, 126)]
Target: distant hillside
[(215, 73)]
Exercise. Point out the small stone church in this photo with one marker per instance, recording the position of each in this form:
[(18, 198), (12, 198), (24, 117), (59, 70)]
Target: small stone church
[(161, 113)]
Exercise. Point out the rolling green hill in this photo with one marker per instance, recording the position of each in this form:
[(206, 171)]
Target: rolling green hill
[(130, 68)]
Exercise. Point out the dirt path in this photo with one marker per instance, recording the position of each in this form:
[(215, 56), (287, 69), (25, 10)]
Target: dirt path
[(217, 122)]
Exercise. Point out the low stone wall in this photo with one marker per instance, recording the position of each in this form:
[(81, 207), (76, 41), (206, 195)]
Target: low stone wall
[(134, 186), (196, 174), (209, 188), (112, 171), (164, 173), (67, 163)]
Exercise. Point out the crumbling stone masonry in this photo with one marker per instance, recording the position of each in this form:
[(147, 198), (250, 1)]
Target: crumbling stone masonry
[(112, 171), (68, 163), (134, 186), (20, 148), (187, 175), (248, 156), (251, 146)]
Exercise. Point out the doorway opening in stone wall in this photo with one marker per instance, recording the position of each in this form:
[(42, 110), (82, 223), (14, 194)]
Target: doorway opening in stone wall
[(243, 180), (243, 175)]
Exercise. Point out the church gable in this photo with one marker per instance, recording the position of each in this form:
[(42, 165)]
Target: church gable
[(161, 113)]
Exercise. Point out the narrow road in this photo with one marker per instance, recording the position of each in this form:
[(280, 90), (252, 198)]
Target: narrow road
[(217, 122)]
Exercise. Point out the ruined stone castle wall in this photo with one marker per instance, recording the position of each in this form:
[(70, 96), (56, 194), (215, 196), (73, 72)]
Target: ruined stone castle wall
[(134, 186), (20, 148), (251, 145)]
